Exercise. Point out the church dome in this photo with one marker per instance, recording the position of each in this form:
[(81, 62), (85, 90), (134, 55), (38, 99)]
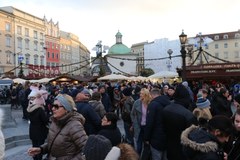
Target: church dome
[(119, 47)]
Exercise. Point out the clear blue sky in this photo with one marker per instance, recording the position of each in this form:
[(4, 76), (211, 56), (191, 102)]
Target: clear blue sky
[(137, 20)]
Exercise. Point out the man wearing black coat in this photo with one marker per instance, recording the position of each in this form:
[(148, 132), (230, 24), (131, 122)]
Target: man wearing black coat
[(155, 133), (92, 119), (177, 118), (110, 129), (106, 101)]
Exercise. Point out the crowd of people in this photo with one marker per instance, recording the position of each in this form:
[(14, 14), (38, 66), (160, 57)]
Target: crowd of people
[(162, 121)]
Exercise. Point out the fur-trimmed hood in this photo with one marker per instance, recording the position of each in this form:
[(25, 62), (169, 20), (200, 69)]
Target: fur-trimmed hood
[(33, 107), (199, 139)]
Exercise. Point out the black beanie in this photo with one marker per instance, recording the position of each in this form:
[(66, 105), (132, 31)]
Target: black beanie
[(181, 92), (97, 147)]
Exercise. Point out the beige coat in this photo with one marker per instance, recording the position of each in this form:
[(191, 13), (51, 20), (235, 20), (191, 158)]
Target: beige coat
[(69, 143)]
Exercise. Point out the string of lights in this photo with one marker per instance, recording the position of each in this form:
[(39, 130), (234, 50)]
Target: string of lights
[(151, 59), (216, 57), (10, 70), (119, 69), (195, 59), (70, 64), (81, 66)]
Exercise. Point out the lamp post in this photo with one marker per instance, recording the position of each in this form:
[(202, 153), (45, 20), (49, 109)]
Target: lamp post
[(183, 40), (99, 55), (169, 62), (21, 74)]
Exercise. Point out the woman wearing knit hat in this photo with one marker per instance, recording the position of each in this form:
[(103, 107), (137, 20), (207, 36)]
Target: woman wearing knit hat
[(38, 129), (66, 137), (202, 112)]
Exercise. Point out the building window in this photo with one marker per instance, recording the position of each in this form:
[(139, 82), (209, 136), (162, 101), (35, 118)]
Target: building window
[(236, 54), (237, 35), (52, 55), (48, 55), (57, 55), (19, 30), (42, 60), (19, 42), (27, 59), (8, 57), (216, 37), (41, 36), (236, 44), (121, 64), (35, 46), (35, 60), (8, 41), (26, 44), (52, 45), (216, 46), (8, 27), (225, 45), (26, 32), (48, 64), (225, 55), (35, 34), (53, 64), (217, 55), (41, 47), (225, 36)]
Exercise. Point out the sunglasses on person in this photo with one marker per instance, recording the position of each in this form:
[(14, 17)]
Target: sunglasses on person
[(56, 106)]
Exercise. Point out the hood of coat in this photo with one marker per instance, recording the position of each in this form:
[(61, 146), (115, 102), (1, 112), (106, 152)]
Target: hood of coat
[(69, 117), (94, 103), (33, 107), (199, 139), (163, 100)]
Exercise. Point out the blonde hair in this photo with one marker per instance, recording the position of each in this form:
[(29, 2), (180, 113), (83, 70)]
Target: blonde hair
[(202, 113), (146, 96), (127, 152)]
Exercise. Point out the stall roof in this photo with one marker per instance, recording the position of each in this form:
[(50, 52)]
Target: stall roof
[(68, 78)]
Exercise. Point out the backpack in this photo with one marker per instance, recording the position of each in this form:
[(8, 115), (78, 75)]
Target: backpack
[(126, 114)]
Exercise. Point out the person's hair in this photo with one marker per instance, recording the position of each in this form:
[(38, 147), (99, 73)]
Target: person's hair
[(155, 91), (222, 123), (112, 117), (127, 152), (236, 113), (96, 96), (203, 115), (223, 91), (146, 94)]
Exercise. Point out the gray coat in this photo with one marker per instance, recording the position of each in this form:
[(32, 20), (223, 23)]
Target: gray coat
[(136, 116)]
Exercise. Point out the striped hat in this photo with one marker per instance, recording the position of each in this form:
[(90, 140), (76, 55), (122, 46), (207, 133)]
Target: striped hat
[(202, 102)]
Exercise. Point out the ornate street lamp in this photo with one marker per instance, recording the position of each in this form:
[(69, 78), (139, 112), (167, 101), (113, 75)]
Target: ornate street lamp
[(183, 40), (99, 52), (169, 62)]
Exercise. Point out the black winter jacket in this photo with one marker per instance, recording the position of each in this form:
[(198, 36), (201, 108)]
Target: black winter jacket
[(198, 144), (154, 130), (112, 133), (92, 119)]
